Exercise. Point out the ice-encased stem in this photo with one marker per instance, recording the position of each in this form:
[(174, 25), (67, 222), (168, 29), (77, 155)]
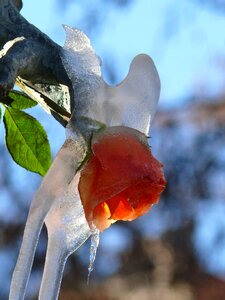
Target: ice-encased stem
[(25, 260), (67, 230), (53, 271), (55, 182)]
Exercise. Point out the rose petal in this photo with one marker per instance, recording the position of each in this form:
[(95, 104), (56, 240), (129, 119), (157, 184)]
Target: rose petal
[(122, 179)]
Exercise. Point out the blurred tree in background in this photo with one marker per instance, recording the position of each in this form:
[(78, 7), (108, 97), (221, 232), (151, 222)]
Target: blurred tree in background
[(177, 251)]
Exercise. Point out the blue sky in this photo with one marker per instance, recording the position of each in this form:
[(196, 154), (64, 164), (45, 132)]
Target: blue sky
[(185, 39)]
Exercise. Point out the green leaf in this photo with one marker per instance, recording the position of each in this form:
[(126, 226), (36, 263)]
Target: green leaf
[(0, 114), (18, 100), (27, 141)]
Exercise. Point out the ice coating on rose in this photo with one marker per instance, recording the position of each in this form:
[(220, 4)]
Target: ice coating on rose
[(122, 188), (121, 180)]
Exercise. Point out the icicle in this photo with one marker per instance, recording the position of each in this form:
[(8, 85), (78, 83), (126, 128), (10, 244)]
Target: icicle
[(93, 251)]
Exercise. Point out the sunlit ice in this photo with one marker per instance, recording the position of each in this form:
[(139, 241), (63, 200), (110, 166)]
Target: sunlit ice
[(103, 173)]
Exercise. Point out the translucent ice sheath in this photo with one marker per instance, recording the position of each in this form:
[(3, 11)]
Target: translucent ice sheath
[(67, 230), (55, 182), (133, 104)]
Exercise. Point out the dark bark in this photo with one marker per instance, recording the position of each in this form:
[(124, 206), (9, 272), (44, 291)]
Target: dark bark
[(33, 61)]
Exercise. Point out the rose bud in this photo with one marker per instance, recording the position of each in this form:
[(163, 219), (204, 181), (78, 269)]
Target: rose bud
[(121, 180)]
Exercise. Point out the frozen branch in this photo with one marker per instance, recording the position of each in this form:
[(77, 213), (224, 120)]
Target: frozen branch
[(32, 60)]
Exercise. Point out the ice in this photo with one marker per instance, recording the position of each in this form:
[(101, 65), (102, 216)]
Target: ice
[(83, 61), (67, 230), (132, 103), (54, 184), (82, 66), (93, 251)]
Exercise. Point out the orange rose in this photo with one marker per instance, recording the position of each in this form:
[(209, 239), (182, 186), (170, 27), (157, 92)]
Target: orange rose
[(121, 180)]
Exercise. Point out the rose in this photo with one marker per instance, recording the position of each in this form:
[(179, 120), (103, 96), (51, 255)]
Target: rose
[(121, 180)]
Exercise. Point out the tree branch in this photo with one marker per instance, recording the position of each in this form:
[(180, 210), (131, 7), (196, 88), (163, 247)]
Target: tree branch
[(32, 60)]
